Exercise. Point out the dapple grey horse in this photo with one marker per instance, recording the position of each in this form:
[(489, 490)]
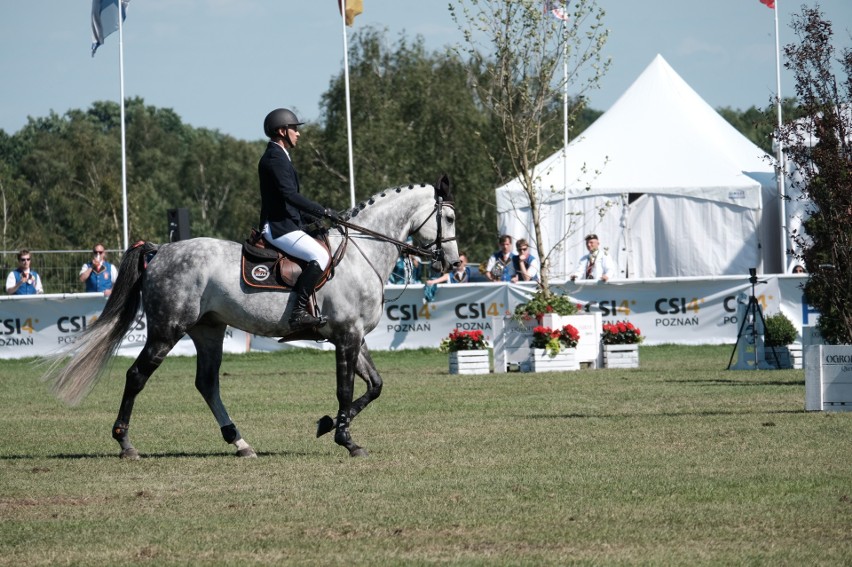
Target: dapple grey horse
[(194, 287)]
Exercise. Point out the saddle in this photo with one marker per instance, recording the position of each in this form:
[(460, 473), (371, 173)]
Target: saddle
[(266, 267)]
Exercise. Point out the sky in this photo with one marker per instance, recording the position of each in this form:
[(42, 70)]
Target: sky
[(223, 64)]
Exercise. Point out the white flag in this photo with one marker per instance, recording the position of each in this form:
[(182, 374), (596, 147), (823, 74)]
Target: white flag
[(105, 20)]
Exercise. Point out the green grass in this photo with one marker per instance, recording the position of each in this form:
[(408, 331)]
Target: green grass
[(678, 462)]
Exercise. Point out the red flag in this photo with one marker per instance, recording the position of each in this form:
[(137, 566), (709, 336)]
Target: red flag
[(353, 8), (559, 9), (769, 3)]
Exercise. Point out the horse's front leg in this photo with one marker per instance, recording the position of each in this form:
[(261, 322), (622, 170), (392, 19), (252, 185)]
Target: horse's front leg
[(347, 354), (366, 370)]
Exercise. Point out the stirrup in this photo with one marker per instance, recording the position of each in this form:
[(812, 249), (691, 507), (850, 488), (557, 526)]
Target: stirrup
[(301, 319)]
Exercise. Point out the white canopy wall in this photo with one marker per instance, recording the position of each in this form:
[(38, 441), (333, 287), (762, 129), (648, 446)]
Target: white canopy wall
[(669, 186)]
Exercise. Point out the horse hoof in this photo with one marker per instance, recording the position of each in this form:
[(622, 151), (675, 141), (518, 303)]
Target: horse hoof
[(130, 454), (324, 425), (359, 452), (247, 453)]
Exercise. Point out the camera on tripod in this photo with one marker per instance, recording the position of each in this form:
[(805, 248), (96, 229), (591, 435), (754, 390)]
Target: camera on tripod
[(751, 330)]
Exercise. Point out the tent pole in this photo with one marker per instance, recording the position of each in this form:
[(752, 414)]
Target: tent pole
[(781, 169)]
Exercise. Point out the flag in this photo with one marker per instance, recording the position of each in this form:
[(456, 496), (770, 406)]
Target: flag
[(105, 20), (353, 8), (769, 3), (558, 9)]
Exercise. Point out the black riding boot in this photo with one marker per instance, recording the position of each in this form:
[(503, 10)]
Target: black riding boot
[(304, 287)]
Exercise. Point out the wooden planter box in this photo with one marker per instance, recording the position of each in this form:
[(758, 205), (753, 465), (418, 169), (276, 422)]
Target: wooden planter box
[(782, 353), (469, 362), (563, 361), (621, 356), (512, 339)]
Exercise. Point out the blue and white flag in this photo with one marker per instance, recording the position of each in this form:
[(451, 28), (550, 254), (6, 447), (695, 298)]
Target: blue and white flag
[(105, 20)]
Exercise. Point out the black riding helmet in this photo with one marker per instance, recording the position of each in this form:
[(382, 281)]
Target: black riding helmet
[(279, 118)]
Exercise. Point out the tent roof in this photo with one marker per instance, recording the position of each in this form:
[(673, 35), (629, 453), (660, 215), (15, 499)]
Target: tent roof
[(659, 137)]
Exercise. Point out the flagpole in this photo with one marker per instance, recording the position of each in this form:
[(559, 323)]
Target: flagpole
[(348, 109), (782, 169), (565, 145), (123, 139)]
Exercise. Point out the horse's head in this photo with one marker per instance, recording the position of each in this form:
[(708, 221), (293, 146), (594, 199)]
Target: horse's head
[(437, 231)]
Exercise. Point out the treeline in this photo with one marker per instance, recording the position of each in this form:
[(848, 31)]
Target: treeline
[(413, 117)]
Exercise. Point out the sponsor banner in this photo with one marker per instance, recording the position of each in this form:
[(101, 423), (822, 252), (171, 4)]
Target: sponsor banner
[(40, 325), (666, 310)]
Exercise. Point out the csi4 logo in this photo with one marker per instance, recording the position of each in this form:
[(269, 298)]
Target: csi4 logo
[(18, 326), (478, 310), (410, 312), (612, 307), (678, 305), (74, 323)]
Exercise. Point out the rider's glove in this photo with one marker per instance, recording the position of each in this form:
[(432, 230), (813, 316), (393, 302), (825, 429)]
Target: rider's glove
[(333, 215)]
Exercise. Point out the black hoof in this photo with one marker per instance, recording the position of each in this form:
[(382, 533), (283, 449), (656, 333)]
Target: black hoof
[(324, 425), (359, 452), (247, 453)]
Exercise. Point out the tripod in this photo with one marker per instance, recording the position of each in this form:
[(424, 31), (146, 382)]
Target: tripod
[(753, 313)]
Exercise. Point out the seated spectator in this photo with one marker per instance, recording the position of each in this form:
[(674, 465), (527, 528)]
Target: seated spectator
[(459, 274), (798, 269), (23, 280), (596, 265), (526, 265), (406, 270), (500, 266), (98, 274)]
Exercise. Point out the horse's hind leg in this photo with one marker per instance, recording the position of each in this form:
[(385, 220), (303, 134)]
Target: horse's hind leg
[(143, 367), (366, 370), (208, 343)]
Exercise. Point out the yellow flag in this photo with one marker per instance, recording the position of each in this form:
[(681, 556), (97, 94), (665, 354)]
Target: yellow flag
[(353, 8)]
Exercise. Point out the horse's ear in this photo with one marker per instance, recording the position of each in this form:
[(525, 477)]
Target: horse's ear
[(443, 188)]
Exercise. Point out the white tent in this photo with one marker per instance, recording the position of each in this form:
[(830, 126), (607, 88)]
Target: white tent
[(668, 185)]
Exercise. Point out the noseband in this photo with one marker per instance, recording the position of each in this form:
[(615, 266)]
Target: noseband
[(438, 253)]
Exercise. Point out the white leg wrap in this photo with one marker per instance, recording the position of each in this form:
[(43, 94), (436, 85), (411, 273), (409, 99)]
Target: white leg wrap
[(240, 444)]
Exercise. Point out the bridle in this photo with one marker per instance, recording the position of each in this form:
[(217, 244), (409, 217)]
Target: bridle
[(436, 253)]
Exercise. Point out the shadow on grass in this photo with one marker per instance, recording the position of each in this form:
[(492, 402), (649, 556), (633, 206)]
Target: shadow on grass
[(143, 456), (709, 413), (733, 382)]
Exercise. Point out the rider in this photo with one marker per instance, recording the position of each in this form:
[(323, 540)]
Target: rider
[(284, 211)]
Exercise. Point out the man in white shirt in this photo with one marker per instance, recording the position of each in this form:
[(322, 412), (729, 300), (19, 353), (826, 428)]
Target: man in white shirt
[(595, 265)]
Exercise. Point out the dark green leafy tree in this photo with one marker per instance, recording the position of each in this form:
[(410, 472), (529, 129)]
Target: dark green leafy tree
[(413, 117), (820, 145)]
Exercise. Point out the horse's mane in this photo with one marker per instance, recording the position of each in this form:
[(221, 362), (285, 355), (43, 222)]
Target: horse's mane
[(351, 213)]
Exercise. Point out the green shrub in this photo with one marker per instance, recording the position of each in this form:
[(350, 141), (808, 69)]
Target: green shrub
[(779, 331)]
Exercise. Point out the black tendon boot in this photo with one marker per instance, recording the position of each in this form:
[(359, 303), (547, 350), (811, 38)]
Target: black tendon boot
[(304, 287)]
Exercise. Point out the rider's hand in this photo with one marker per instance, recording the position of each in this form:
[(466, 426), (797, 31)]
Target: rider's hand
[(333, 215)]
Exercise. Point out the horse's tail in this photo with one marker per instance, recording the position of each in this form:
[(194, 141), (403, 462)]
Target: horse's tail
[(99, 342)]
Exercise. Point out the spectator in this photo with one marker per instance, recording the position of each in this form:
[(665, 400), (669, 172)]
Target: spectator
[(500, 266), (798, 269), (526, 265), (406, 270), (98, 275), (460, 274), (596, 265), (23, 280)]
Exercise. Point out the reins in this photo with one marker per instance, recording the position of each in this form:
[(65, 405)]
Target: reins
[(437, 254)]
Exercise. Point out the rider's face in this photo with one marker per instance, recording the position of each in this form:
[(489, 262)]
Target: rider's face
[(291, 134)]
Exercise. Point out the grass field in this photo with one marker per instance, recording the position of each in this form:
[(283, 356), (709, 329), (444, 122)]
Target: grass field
[(677, 463)]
